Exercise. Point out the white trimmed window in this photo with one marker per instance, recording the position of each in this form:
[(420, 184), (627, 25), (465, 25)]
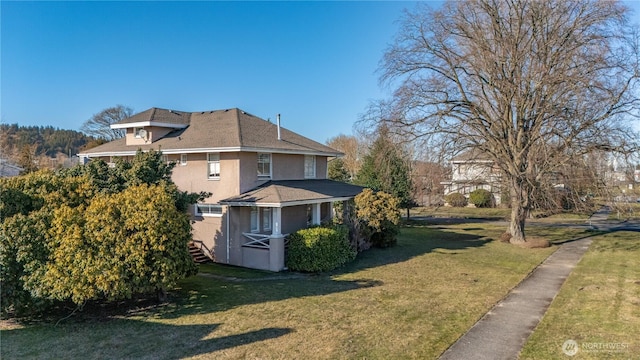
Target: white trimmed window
[(213, 165), (264, 165), (255, 221), (208, 210), (137, 132), (309, 167), (183, 159), (266, 219), (165, 159)]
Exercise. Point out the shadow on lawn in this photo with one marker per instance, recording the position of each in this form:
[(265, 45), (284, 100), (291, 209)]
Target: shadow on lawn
[(204, 294), (201, 295), (127, 338), (415, 241)]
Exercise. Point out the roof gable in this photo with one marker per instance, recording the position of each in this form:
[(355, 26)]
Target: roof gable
[(156, 117)]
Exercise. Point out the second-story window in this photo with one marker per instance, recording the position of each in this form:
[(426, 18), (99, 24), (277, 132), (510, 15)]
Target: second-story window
[(183, 159), (264, 165), (213, 165), (309, 167)]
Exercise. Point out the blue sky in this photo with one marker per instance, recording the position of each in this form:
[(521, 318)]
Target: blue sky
[(313, 62)]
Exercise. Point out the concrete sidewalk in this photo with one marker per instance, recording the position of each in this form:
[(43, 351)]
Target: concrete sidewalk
[(503, 331)]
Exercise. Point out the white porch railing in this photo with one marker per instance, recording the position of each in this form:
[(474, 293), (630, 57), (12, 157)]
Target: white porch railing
[(257, 240), (261, 241)]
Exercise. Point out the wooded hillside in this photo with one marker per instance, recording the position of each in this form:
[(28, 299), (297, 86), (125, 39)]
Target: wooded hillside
[(34, 146)]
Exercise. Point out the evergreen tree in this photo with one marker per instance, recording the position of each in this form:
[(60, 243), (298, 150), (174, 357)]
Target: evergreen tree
[(386, 168), (337, 171)]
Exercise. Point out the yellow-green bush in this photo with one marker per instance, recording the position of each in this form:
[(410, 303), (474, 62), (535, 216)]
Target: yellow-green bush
[(92, 233), (378, 217)]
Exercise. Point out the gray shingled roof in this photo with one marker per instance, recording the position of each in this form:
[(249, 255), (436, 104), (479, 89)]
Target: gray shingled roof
[(291, 192), (229, 130), (160, 116), (472, 155)]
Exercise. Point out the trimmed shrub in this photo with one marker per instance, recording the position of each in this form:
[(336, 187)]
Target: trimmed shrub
[(319, 249), (456, 200), (378, 218), (481, 198)]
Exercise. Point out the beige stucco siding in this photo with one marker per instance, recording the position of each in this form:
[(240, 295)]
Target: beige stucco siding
[(287, 167), (193, 176), (209, 230), (321, 167), (248, 171)]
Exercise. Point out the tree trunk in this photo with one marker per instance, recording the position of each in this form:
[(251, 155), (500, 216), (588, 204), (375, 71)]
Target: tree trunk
[(162, 295), (519, 201), (516, 226)]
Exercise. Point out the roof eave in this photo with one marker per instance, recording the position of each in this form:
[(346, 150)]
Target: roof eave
[(285, 203), (148, 123), (212, 150)]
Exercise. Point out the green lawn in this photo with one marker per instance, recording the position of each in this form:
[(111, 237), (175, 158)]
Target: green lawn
[(492, 214), (625, 211), (598, 304), (463, 212), (411, 301)]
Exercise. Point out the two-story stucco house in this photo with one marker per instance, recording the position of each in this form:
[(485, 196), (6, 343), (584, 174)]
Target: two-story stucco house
[(471, 171), (265, 180)]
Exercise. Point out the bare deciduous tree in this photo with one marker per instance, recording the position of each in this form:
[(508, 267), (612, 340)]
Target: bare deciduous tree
[(353, 151), (99, 125), (528, 83), (426, 178)]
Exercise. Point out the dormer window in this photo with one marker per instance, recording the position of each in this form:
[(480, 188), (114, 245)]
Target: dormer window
[(139, 133)]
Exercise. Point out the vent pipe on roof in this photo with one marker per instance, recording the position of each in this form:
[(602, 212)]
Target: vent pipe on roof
[(278, 122)]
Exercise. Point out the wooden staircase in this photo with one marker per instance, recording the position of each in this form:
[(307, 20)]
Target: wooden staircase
[(197, 252)]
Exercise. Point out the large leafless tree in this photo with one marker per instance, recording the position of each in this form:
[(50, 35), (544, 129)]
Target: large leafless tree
[(353, 149), (528, 83), (99, 125)]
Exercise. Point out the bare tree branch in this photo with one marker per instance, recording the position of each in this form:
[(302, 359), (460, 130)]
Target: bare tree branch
[(531, 84), (99, 125)]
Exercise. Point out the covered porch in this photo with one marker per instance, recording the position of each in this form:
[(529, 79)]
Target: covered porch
[(265, 216)]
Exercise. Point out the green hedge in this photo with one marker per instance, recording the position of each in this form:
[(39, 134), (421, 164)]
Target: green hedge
[(481, 198), (319, 249), (456, 200)]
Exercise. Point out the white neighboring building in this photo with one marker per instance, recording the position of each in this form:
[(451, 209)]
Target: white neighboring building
[(471, 171), (8, 169)]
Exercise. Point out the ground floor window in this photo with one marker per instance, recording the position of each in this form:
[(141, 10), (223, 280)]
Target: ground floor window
[(255, 221), (208, 210), (266, 219)]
